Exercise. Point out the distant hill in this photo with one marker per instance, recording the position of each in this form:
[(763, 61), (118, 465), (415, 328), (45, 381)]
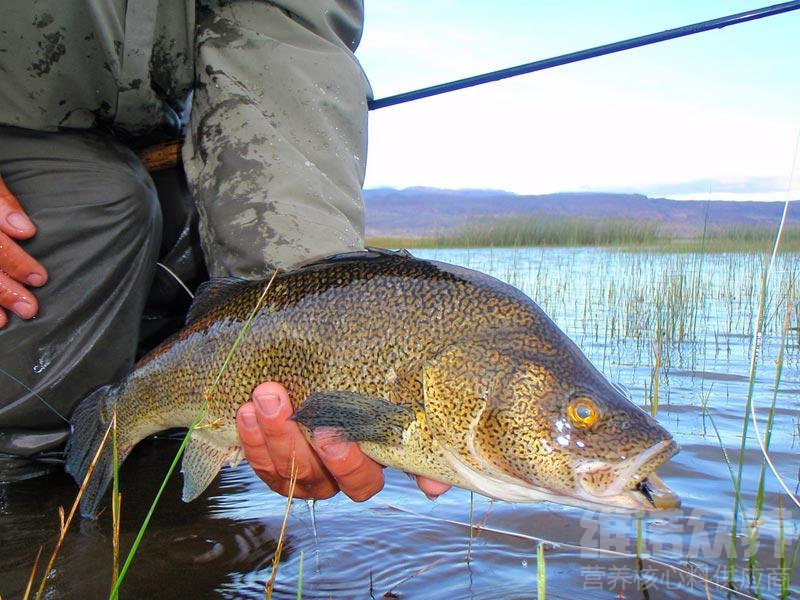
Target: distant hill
[(421, 211)]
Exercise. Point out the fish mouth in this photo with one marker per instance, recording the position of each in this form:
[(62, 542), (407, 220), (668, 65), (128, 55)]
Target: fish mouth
[(636, 486), (657, 493)]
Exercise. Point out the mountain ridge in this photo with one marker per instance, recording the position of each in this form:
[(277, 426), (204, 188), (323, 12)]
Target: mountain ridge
[(420, 211)]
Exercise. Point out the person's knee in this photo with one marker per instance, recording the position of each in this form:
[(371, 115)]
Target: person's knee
[(132, 200)]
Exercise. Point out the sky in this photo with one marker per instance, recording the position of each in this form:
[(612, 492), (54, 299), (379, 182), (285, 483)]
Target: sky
[(714, 115)]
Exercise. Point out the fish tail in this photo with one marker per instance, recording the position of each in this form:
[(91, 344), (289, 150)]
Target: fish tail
[(90, 421)]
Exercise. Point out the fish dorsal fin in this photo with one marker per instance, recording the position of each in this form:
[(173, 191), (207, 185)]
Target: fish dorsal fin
[(211, 294)]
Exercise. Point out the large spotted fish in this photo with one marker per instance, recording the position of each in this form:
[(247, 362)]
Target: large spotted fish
[(433, 369)]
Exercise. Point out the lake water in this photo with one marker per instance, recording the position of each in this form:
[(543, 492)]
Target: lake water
[(628, 311)]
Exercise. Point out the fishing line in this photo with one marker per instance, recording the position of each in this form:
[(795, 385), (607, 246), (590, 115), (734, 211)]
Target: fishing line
[(176, 278), (563, 59), (32, 391), (753, 355)]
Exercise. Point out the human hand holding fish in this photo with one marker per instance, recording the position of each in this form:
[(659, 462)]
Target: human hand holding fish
[(326, 466), (17, 267)]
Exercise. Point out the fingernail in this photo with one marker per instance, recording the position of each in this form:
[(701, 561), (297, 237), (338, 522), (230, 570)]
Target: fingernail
[(268, 404), (35, 279), (431, 496), (249, 419), (23, 309), (18, 221), (333, 448)]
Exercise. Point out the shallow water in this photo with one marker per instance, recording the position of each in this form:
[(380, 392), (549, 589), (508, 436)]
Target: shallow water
[(399, 544)]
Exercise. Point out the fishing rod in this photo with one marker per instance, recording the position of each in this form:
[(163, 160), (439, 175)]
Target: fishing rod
[(167, 155), (564, 59)]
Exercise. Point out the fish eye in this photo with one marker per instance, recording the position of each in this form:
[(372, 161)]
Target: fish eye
[(583, 412)]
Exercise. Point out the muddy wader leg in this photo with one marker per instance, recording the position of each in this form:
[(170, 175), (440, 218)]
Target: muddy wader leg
[(99, 229), (277, 139)]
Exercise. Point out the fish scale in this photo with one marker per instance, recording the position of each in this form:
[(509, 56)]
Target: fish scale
[(464, 378)]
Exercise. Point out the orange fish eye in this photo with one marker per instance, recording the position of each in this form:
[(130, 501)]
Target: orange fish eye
[(583, 412)]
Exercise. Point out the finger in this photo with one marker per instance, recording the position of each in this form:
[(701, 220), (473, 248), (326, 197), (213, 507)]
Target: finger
[(430, 487), (257, 454), (13, 219), (358, 476), (19, 264), (3, 318), (254, 444), (16, 298), (286, 442)]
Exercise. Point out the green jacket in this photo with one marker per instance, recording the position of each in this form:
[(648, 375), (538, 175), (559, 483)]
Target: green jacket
[(276, 140)]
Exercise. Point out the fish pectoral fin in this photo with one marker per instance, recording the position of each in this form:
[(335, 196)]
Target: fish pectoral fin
[(355, 417), (201, 463)]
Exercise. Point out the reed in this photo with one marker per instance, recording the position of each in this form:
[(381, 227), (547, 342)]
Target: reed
[(656, 375), (689, 575), (116, 502), (639, 542), (270, 585), (548, 231), (759, 504), (786, 582), (300, 578), (64, 523), (541, 573), (32, 577), (185, 441)]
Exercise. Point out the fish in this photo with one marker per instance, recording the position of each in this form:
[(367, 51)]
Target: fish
[(431, 368)]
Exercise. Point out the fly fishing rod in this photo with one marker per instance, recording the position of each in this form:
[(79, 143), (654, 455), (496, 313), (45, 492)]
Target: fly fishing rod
[(167, 155), (564, 59)]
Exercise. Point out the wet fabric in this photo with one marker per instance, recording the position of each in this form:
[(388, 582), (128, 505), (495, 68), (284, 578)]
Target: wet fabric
[(276, 146), (99, 230), (274, 158)]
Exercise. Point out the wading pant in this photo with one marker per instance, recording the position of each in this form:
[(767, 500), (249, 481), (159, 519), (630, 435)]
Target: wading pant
[(99, 230)]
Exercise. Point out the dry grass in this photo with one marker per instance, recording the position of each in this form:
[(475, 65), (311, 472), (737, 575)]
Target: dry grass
[(65, 523), (29, 586), (268, 587)]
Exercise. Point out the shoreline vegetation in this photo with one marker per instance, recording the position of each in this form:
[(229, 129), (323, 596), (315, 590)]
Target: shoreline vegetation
[(622, 234)]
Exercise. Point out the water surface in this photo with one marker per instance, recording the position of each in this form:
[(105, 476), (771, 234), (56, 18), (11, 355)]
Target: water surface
[(624, 310)]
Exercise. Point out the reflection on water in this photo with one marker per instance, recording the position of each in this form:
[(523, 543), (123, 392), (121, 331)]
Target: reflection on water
[(399, 544)]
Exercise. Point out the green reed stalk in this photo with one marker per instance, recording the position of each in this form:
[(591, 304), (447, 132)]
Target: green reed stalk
[(639, 541), (782, 550), (300, 578), (655, 377), (471, 523), (541, 573), (757, 510), (195, 423), (787, 582), (757, 331)]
